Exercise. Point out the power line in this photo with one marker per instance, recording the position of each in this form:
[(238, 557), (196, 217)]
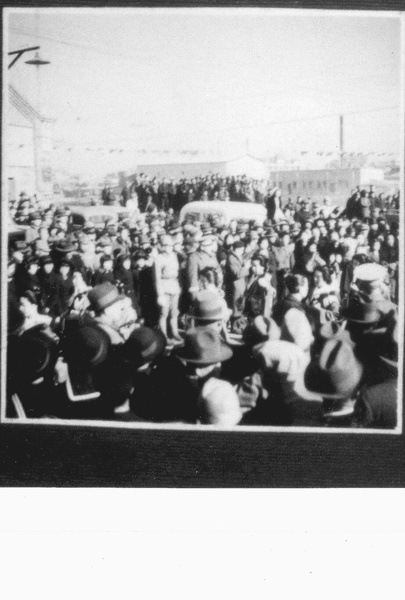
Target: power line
[(269, 123)]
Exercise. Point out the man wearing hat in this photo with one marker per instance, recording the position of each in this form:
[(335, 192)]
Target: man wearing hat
[(32, 233), (377, 406), (304, 213), (371, 283), (235, 277), (209, 310), (48, 282), (141, 352), (197, 261), (31, 358), (390, 258), (107, 304), (284, 261), (281, 396), (105, 271), (26, 278), (202, 355), (336, 375), (295, 230)]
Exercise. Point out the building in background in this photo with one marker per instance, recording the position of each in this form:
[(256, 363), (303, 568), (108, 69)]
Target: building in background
[(254, 168), (334, 183), (28, 138)]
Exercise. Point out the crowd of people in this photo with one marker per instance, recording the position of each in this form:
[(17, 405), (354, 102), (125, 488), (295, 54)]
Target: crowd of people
[(289, 322)]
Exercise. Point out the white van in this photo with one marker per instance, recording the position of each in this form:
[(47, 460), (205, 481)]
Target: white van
[(201, 210)]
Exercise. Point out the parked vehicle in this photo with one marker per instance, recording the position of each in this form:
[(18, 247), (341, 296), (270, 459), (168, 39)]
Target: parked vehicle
[(226, 211), (100, 215)]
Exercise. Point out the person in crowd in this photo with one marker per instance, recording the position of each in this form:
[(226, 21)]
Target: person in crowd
[(166, 278), (27, 278), (297, 287), (310, 288), (48, 284), (30, 308), (79, 302), (235, 278), (336, 375), (259, 294), (322, 296), (124, 277)]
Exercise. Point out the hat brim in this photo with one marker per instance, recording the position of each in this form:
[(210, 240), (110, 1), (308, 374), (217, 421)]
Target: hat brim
[(313, 378), (113, 301), (151, 353), (206, 319), (361, 321), (225, 353), (389, 361)]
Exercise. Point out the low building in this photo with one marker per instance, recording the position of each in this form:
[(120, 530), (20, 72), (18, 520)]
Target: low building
[(244, 165), (334, 183), (28, 148)]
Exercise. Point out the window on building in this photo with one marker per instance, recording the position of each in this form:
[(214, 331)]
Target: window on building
[(325, 184), (304, 185), (295, 185), (319, 185), (310, 185), (289, 188), (332, 187)]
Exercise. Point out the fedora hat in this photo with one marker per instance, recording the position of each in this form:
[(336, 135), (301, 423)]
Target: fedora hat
[(174, 227), (86, 346), (207, 307), (143, 346), (35, 216), (33, 356), (65, 246), (203, 347), (261, 330), (104, 295), (336, 373)]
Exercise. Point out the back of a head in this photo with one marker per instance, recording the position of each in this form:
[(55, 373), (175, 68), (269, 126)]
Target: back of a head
[(294, 283), (219, 404)]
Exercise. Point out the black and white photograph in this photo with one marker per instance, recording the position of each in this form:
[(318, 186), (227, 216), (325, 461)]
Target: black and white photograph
[(202, 219)]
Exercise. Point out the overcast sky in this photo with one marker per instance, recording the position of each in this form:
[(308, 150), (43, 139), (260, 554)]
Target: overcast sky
[(192, 79)]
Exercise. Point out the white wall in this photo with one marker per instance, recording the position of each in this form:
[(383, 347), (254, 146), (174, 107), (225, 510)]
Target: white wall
[(183, 170), (247, 165), (367, 176)]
